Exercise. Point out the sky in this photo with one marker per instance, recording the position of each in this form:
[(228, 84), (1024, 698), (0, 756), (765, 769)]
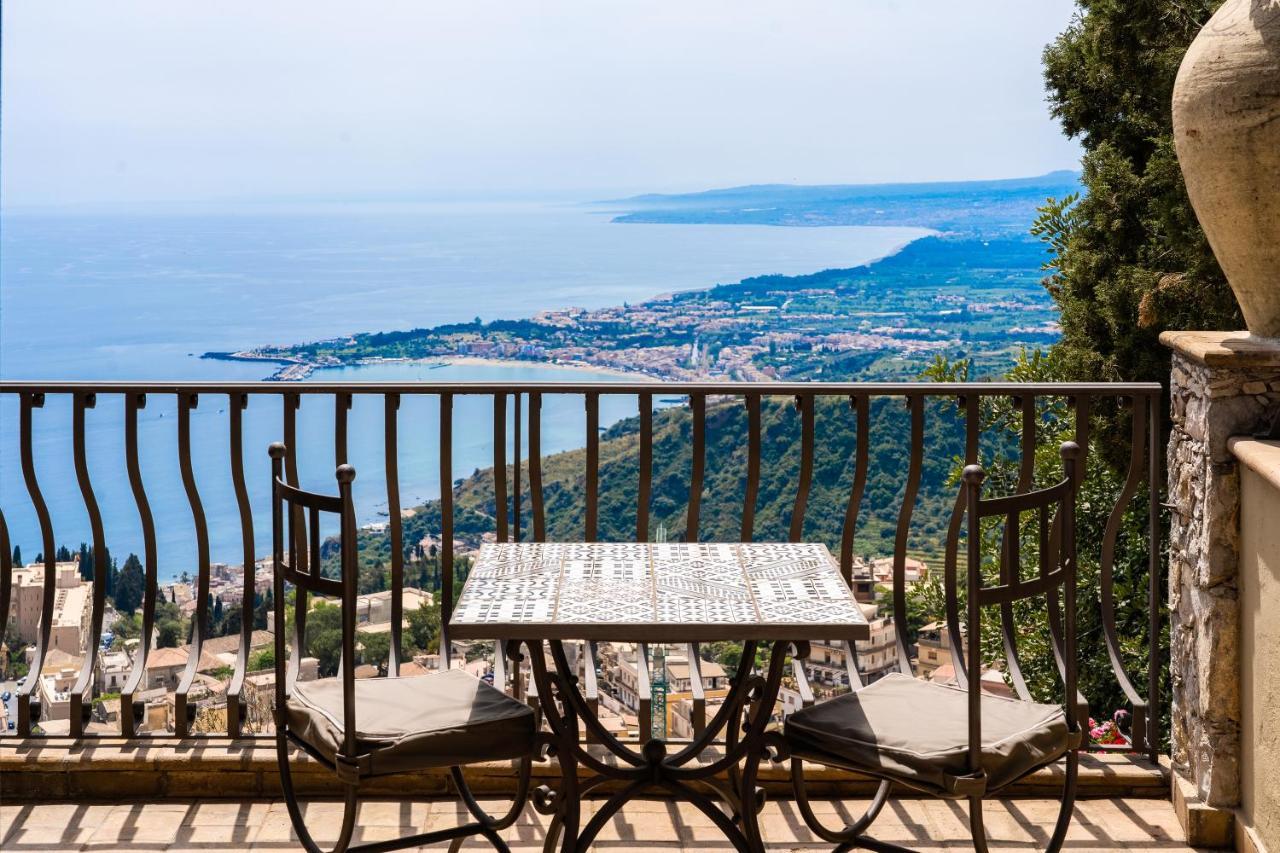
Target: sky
[(157, 101)]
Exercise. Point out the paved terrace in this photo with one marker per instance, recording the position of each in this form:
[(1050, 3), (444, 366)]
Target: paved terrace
[(1020, 824)]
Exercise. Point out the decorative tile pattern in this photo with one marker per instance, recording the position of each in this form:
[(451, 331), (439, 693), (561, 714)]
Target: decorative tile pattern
[(671, 590)]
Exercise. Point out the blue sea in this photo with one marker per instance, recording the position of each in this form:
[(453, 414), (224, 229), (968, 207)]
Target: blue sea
[(139, 296)]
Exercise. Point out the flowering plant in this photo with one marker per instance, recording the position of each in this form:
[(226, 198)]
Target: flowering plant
[(1110, 733)]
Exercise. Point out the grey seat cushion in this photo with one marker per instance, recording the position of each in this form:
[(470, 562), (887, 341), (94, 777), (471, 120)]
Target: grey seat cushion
[(438, 720), (917, 733)]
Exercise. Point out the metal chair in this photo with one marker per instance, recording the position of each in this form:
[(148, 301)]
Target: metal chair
[(961, 742), (370, 727)]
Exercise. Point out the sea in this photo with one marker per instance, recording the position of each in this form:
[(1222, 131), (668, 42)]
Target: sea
[(140, 295)]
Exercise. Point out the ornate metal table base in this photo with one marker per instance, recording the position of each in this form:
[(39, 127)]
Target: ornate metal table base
[(743, 717)]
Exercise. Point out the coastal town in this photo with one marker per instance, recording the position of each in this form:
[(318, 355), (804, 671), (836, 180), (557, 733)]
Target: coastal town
[(928, 299)]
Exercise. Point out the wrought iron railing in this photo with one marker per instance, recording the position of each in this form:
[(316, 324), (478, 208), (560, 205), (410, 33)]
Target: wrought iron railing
[(512, 494)]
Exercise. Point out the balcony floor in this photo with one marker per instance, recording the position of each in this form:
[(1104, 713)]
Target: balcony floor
[(1022, 824)]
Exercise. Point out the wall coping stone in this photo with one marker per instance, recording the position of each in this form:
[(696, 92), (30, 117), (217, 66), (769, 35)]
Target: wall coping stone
[(1239, 350), (111, 768), (1260, 456)]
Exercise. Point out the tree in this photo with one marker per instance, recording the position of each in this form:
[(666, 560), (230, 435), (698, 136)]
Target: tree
[(129, 585), (262, 659), (171, 628), (217, 617), (324, 636), (424, 628), (63, 555), (1129, 259), (17, 556), (86, 562), (375, 649)]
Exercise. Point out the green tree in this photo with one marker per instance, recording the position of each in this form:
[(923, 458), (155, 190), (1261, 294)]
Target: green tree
[(262, 659), (375, 649), (17, 556), (129, 585), (324, 636), (424, 629), (1129, 259), (171, 628)]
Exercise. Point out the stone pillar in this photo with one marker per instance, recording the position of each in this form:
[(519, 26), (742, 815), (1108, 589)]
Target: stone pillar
[(1223, 384)]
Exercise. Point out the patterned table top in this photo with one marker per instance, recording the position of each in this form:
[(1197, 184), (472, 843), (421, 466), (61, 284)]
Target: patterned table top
[(656, 592)]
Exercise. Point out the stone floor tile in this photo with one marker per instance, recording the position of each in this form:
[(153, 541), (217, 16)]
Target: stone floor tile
[(226, 812)]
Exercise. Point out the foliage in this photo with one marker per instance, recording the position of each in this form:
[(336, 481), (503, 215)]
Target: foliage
[(262, 659), (1129, 259), (129, 585), (172, 628)]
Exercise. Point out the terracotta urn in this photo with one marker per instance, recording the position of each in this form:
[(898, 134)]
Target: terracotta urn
[(1226, 123)]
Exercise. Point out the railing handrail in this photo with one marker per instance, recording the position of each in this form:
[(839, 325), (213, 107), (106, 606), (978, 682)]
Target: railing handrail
[(780, 389)]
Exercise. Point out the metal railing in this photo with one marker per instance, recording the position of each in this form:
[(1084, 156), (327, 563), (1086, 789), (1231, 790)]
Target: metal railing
[(526, 400)]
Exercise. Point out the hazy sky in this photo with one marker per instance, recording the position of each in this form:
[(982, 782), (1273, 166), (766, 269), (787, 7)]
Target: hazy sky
[(181, 100)]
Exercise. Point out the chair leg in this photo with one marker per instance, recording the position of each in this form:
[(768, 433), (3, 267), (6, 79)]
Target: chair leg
[(852, 834)]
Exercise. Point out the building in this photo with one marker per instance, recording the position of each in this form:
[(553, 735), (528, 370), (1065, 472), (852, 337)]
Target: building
[(373, 611), (876, 656), (72, 606), (113, 670), (933, 649)]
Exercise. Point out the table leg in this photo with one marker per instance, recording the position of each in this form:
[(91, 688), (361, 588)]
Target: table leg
[(750, 694)]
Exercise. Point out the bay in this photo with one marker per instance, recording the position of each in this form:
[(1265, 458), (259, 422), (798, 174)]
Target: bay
[(140, 296)]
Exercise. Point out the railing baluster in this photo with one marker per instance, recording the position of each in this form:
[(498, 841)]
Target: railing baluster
[(446, 527), (341, 406), (805, 403), (916, 405), (972, 429), (1010, 550), (183, 711), (297, 528), (644, 694), (237, 706), (698, 405), (645, 485), (593, 466), (131, 712), (6, 575), (590, 689), (35, 400), (698, 710), (753, 468), (1106, 567), (515, 468), (500, 464), (861, 406), (390, 445), (535, 467), (81, 710)]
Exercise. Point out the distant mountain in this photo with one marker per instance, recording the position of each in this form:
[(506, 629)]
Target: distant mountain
[(970, 207)]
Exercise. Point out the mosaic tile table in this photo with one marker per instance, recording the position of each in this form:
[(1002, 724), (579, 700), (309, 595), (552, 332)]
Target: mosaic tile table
[(541, 595), (672, 592)]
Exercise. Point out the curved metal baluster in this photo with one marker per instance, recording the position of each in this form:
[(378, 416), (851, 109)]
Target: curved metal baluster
[(390, 444), (753, 468), (804, 402), (83, 689), (35, 400), (646, 467), (516, 496), (860, 405), (593, 465), (184, 712), (698, 465), (500, 465), (1011, 548), (6, 574), (916, 404), (971, 428), (131, 713), (446, 527), (535, 467), (297, 528), (237, 706), (341, 406), (1137, 462)]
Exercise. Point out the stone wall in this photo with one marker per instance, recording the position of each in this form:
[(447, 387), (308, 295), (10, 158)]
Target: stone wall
[(1222, 385)]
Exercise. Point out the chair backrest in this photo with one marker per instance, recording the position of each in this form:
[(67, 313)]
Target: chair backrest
[(303, 510), (1054, 510)]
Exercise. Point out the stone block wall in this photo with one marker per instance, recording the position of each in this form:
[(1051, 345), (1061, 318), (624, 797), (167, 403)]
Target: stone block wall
[(1222, 385)]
